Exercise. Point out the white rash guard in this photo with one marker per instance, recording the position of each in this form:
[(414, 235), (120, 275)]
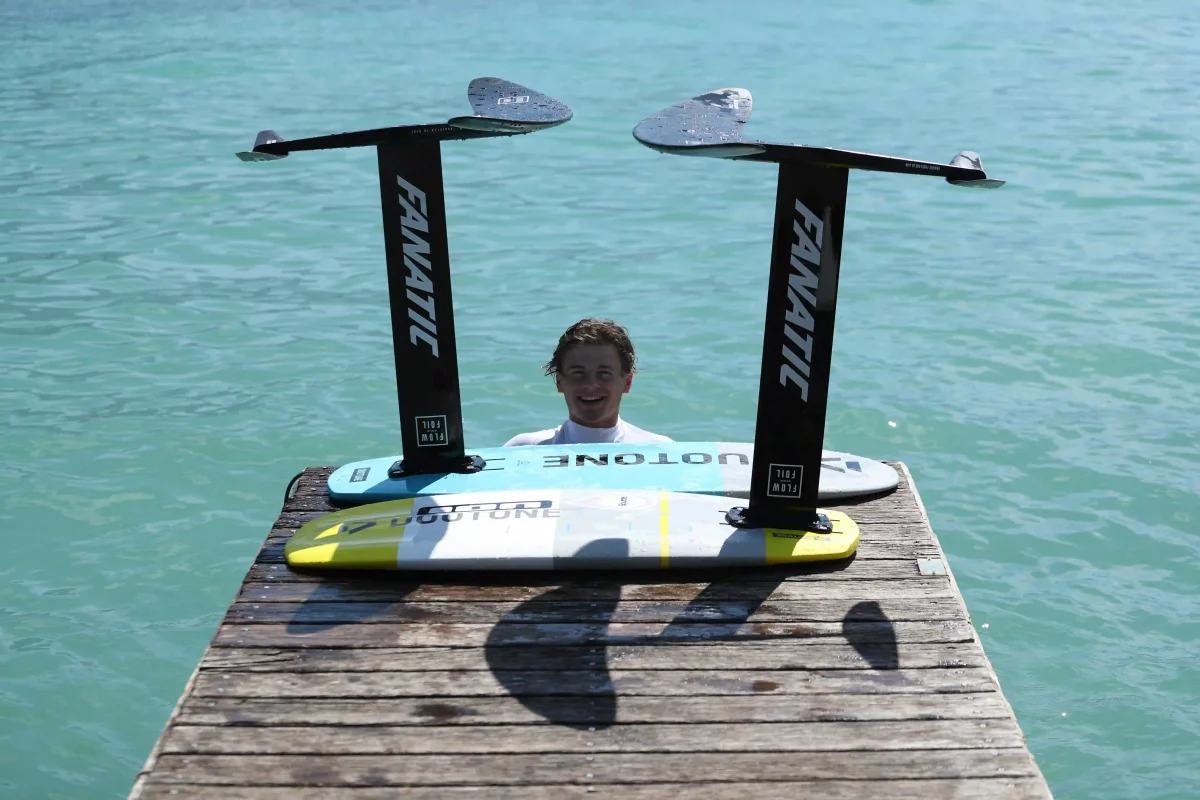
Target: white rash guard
[(571, 433)]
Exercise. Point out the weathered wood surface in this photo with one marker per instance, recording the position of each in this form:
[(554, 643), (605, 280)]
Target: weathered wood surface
[(577, 768), (441, 711), (839, 680), (921, 607), (925, 789), (597, 681), (416, 634), (767, 654), (779, 737), (365, 589)]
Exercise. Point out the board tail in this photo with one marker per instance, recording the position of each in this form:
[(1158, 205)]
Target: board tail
[(418, 260), (810, 212)]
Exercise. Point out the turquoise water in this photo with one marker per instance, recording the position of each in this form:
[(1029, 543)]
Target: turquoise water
[(181, 332)]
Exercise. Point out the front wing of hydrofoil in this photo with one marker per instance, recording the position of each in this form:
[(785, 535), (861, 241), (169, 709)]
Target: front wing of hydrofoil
[(502, 108), (710, 125)]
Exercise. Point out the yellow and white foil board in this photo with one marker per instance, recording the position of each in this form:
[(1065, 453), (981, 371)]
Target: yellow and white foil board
[(556, 529)]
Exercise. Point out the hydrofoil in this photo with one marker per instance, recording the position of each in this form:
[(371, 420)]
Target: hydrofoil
[(592, 506), (802, 286), (418, 257)]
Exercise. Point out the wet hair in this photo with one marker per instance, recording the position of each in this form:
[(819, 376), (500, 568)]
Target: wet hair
[(594, 331)]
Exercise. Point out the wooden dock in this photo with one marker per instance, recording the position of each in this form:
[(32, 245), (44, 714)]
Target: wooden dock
[(852, 680)]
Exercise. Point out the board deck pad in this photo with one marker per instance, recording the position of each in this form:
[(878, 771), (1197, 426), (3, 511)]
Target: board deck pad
[(556, 529), (716, 468)]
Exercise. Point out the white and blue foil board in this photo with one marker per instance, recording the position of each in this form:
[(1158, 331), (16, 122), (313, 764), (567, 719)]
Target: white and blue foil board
[(714, 468), (555, 529)]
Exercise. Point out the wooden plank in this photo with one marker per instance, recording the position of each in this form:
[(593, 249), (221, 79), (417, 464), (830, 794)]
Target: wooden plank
[(675, 612), (414, 591), (601, 769), (699, 738), (825, 572), (598, 682), (770, 654), (568, 710), (928, 789), (418, 634)]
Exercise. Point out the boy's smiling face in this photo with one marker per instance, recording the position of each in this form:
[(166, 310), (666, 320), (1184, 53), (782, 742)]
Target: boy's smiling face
[(591, 380)]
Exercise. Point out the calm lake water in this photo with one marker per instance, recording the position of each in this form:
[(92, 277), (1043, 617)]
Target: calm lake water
[(180, 332)]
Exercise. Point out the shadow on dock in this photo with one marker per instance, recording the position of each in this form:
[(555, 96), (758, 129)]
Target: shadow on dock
[(877, 645), (578, 691), (593, 702)]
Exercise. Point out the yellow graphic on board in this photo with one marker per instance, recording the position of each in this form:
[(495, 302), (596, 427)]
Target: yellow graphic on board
[(351, 544), (664, 537), (786, 546)]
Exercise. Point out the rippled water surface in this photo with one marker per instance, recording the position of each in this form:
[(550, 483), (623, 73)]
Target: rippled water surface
[(181, 332)]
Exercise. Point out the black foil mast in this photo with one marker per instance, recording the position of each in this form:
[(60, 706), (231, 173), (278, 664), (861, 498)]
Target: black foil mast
[(810, 210), (418, 259)]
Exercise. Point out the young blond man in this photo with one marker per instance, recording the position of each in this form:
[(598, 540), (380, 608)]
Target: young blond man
[(593, 368)]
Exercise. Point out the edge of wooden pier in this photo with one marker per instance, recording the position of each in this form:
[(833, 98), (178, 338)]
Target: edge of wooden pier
[(857, 679)]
